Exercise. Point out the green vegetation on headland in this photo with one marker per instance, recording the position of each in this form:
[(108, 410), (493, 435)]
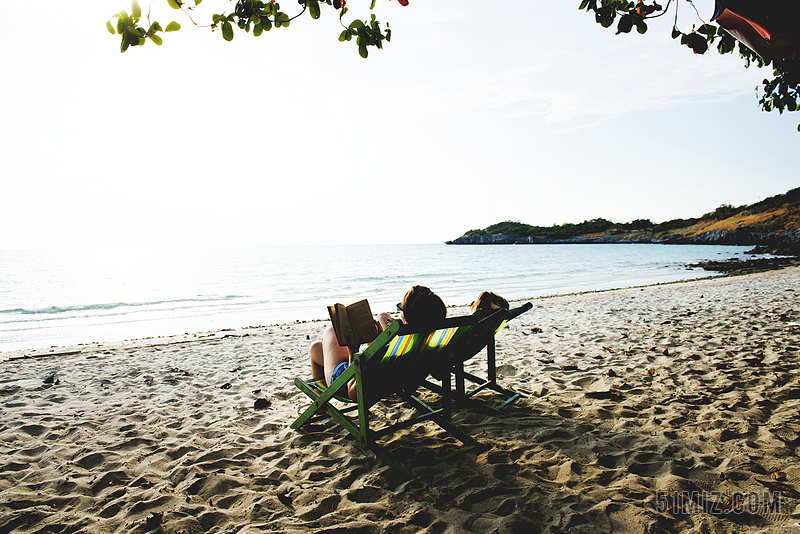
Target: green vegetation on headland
[(773, 222)]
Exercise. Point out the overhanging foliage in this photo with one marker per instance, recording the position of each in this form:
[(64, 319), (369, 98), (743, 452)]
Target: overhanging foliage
[(252, 16), (780, 92)]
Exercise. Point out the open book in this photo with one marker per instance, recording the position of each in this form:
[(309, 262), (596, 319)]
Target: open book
[(353, 324)]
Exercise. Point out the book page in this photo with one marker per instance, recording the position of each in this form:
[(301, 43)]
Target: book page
[(341, 325), (362, 322)]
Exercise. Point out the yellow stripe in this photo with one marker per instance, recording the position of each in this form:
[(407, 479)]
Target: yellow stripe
[(501, 326), (441, 337), (399, 346)]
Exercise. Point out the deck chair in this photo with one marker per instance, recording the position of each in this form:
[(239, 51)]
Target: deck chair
[(397, 362), (481, 336)]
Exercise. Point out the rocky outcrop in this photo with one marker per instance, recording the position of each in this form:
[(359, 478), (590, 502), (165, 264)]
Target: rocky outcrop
[(741, 236), (748, 236)]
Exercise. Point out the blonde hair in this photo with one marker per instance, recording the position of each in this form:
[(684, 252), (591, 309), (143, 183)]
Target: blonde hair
[(421, 305), (489, 301)]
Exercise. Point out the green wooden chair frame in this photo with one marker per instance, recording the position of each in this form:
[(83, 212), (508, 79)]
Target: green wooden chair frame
[(398, 361), (481, 336)]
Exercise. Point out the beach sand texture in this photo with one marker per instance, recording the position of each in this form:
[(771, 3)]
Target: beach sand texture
[(690, 389)]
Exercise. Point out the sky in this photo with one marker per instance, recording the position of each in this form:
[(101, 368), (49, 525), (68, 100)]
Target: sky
[(472, 115)]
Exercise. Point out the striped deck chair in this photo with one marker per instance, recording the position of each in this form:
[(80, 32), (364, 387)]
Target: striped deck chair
[(479, 337), (397, 362)]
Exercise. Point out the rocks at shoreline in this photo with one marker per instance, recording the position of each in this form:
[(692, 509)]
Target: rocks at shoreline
[(742, 266)]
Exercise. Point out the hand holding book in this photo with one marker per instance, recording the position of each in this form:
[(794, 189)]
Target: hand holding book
[(353, 324)]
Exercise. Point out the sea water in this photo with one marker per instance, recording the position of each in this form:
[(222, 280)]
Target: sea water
[(65, 297)]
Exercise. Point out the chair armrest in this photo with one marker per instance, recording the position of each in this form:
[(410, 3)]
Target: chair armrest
[(379, 342)]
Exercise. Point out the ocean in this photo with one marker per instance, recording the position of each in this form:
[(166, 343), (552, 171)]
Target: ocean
[(66, 297)]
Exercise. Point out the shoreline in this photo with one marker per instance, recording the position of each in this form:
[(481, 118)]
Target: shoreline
[(452, 310), (741, 268), (648, 410), (139, 309)]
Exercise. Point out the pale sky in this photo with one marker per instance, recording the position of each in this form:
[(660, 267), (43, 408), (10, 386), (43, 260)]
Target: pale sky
[(472, 115)]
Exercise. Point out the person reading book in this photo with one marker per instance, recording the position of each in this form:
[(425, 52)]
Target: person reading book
[(329, 358)]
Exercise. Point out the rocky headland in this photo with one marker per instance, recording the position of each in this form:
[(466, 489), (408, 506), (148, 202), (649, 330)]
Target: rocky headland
[(773, 225)]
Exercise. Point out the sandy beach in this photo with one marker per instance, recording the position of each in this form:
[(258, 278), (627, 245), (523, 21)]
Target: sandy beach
[(672, 408)]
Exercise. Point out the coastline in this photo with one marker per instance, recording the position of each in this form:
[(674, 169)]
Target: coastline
[(453, 310), (232, 291), (728, 268), (689, 389)]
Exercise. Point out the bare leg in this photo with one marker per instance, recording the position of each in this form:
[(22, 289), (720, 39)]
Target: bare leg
[(317, 360), (333, 354)]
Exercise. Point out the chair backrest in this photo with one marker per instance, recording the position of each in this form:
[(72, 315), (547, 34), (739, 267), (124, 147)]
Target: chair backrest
[(485, 329), (410, 354)]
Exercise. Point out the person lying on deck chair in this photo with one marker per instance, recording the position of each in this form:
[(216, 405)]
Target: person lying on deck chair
[(420, 306), (489, 302)]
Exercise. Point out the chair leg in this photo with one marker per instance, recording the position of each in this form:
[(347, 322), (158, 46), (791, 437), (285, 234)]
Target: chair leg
[(491, 371), (309, 412), (460, 389), (447, 394)]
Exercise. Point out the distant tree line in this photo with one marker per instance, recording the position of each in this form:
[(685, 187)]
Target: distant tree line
[(561, 231)]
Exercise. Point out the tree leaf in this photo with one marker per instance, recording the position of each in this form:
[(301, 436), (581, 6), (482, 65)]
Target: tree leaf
[(172, 27), (641, 26), (197, 2), (156, 39), (136, 9), (707, 29), (727, 44), (257, 29), (174, 4), (227, 31), (625, 24), (356, 25), (698, 43), (110, 27), (313, 9), (605, 16)]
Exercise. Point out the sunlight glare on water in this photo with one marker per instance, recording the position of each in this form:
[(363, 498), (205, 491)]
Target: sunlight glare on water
[(63, 297)]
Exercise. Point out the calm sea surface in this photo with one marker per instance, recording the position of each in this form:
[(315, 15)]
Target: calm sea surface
[(65, 297)]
